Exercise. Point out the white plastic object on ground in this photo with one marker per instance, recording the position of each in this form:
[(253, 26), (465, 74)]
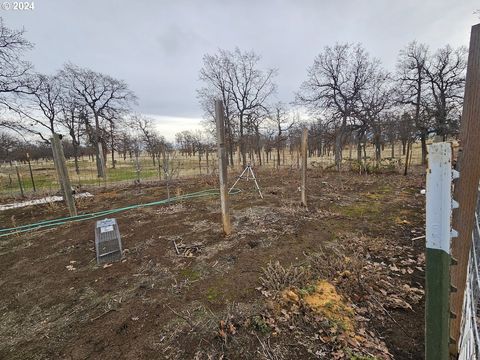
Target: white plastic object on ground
[(45, 200)]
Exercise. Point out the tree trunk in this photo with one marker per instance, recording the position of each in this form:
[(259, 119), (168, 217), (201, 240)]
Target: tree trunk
[(338, 148), (423, 140), (242, 143), (75, 156), (99, 156), (378, 153), (364, 147), (406, 158), (230, 141), (112, 145), (359, 150), (200, 161)]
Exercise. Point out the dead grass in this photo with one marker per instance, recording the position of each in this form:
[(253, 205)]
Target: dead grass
[(276, 277)]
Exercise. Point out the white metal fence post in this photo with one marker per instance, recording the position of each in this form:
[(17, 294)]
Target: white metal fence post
[(438, 238)]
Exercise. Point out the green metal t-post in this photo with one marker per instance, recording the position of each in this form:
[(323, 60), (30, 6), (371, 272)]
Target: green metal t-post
[(438, 237)]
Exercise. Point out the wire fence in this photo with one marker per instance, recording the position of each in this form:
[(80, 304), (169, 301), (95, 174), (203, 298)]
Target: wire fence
[(40, 176), (469, 345)]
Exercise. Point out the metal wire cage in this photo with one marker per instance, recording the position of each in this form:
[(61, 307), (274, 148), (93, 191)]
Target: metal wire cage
[(108, 243)]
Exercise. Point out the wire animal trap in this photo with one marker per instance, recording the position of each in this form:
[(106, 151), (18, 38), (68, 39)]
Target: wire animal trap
[(247, 174), (108, 243)]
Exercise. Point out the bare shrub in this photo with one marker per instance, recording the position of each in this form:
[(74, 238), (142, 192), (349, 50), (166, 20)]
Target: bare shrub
[(276, 277)]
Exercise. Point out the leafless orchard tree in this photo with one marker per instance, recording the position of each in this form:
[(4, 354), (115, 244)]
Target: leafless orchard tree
[(334, 84)]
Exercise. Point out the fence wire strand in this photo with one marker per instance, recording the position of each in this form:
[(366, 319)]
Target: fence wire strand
[(469, 346)]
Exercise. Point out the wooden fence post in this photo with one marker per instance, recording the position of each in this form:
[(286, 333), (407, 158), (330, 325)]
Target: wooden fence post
[(304, 166), (438, 238), (465, 190), (31, 172), (62, 171), (19, 178), (222, 166), (137, 167)]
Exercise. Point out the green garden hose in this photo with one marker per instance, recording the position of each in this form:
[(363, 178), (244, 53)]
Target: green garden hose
[(98, 214)]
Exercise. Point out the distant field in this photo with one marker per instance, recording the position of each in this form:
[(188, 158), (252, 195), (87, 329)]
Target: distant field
[(45, 176)]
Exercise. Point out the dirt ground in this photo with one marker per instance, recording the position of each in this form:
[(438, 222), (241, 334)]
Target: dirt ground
[(224, 297)]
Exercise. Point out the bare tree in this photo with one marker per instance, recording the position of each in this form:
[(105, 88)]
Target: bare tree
[(255, 121), (214, 76), (8, 144), (114, 119), (412, 89), (124, 144), (154, 143), (100, 94), (446, 76), (390, 125), (334, 83), (282, 123), (41, 109), (72, 119), (245, 86), (406, 130), (14, 69), (375, 100)]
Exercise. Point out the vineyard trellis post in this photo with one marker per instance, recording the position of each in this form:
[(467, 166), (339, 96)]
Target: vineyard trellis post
[(62, 171), (465, 190), (222, 166), (31, 172), (19, 178), (304, 166)]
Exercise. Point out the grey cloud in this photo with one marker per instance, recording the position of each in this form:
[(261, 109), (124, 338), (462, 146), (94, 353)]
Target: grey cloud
[(157, 46)]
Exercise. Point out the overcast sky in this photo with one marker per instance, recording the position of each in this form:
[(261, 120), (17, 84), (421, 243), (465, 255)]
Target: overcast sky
[(157, 46)]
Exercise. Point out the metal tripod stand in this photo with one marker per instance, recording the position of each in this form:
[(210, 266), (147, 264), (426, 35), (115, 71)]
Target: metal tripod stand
[(245, 175)]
